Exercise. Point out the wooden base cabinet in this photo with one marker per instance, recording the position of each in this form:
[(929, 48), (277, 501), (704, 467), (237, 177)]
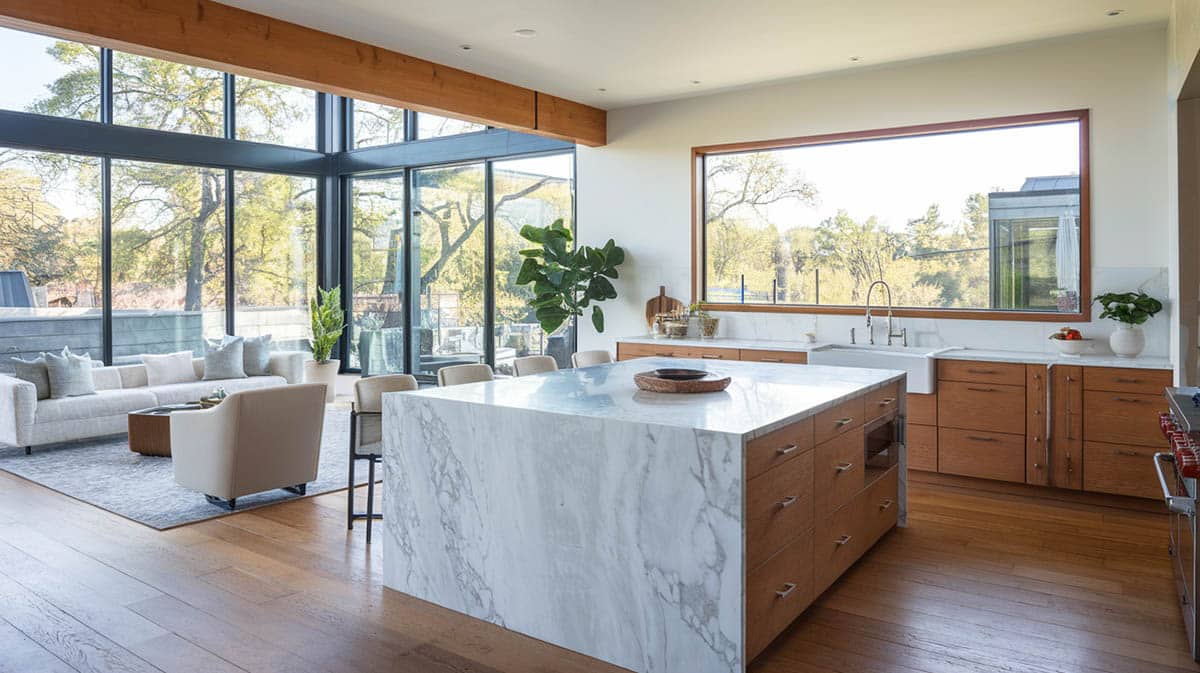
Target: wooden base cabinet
[(1120, 469), (1066, 436)]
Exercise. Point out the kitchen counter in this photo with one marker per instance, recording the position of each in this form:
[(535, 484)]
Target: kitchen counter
[(578, 510), (729, 342)]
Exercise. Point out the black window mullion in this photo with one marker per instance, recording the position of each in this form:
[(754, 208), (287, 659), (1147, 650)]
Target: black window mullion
[(230, 107), (230, 270), (489, 268), (410, 125), (106, 310), (411, 288)]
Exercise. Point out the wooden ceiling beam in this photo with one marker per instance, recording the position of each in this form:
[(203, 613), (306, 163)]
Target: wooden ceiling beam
[(213, 35)]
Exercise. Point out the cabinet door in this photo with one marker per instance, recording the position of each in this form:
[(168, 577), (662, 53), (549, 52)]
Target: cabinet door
[(1120, 469), (982, 406), (1123, 418), (1037, 454), (781, 357), (1066, 438)]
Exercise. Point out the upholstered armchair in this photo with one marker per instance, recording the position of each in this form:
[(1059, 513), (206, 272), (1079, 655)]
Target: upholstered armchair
[(253, 441)]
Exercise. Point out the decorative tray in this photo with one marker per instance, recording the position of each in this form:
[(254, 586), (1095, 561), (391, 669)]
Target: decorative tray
[(680, 381)]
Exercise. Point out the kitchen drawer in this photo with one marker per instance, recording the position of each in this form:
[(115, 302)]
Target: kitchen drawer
[(778, 447), (882, 400), (977, 453), (921, 409), (922, 447), (785, 357), (838, 542), (969, 371), (713, 353), (881, 506), (982, 406), (779, 506), (627, 351), (1120, 469), (838, 471), (841, 418), (1036, 446), (1122, 418), (777, 592), (1118, 380)]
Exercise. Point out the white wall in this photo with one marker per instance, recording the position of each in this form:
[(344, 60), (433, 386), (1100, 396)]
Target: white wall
[(637, 188)]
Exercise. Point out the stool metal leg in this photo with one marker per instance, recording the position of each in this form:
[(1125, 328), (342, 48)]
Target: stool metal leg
[(370, 496), (350, 481)]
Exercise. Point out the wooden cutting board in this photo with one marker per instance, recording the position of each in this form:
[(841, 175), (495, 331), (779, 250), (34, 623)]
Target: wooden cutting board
[(661, 304)]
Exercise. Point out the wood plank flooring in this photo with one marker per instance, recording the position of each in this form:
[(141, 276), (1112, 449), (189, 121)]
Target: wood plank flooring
[(978, 583)]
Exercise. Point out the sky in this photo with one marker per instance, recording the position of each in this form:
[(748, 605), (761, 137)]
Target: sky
[(896, 179)]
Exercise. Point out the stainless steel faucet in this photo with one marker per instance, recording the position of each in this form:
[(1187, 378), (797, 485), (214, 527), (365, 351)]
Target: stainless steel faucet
[(890, 335)]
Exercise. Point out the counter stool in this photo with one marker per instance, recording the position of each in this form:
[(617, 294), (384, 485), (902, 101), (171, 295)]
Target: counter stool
[(366, 436)]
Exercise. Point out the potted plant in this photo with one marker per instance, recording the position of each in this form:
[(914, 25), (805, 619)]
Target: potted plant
[(566, 281), (327, 326), (708, 324), (1130, 310)]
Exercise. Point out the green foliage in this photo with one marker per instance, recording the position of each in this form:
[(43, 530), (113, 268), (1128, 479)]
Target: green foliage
[(327, 322), (1131, 308), (566, 281)]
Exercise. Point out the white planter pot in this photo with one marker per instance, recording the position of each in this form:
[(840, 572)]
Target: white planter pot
[(1128, 341), (316, 372)]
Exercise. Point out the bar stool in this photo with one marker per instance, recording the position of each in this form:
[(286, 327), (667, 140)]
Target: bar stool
[(459, 374), (366, 436), (590, 358), (534, 364)]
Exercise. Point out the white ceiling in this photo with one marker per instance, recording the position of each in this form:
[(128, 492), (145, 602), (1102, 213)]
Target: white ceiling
[(649, 50)]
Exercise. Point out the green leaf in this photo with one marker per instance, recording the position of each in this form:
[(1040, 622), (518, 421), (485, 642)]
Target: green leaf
[(529, 272), (614, 256), (597, 318), (551, 318), (531, 252), (534, 234)]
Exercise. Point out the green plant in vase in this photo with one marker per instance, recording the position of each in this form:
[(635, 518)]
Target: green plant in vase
[(328, 323), (1131, 310), (567, 280)]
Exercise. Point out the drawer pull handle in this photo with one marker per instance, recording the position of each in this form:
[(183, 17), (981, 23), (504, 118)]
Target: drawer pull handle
[(885, 505), (844, 421), (844, 467), (1122, 380), (843, 540), (710, 356), (981, 390), (785, 450), (663, 355), (788, 502), (786, 591), (978, 438), (770, 360), (1127, 400), (886, 401), (982, 371), (1124, 452)]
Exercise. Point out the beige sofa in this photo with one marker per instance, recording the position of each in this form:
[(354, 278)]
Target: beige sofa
[(253, 441), (27, 421)]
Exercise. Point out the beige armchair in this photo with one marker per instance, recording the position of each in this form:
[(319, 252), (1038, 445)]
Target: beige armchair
[(253, 441)]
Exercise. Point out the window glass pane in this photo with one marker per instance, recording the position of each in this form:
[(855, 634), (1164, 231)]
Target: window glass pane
[(168, 258), (535, 192), (984, 219), (433, 126), (376, 124), (275, 113), (377, 291), (154, 94), (50, 281), (275, 256), (448, 221), (49, 76)]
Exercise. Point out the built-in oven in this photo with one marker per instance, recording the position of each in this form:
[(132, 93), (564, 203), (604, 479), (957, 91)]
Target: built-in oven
[(883, 437), (1177, 470)]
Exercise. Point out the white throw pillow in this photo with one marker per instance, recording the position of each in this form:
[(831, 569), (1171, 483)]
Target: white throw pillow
[(170, 368), (70, 374)]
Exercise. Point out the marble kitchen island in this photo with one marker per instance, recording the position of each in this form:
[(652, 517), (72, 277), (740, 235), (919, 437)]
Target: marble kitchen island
[(656, 532)]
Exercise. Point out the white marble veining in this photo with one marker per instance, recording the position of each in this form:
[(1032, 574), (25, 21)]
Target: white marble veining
[(575, 509)]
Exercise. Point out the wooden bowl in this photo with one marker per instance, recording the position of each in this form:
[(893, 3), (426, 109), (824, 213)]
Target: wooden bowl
[(709, 384)]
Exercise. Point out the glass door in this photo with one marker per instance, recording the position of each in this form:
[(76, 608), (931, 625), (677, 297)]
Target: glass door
[(376, 334)]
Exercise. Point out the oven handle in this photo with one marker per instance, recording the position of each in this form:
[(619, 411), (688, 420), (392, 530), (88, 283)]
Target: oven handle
[(1177, 504)]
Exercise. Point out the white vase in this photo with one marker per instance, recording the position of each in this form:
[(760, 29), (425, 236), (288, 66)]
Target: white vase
[(1128, 341), (322, 372)]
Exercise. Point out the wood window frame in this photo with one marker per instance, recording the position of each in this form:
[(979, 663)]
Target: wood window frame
[(1084, 314)]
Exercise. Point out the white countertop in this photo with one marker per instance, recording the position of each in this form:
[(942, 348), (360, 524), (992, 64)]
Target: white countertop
[(762, 396), (947, 353)]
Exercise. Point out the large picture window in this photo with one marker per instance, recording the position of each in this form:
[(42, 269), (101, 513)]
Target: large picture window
[(974, 217)]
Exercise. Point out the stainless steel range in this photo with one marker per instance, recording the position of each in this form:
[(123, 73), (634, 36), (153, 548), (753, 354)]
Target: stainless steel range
[(1178, 470)]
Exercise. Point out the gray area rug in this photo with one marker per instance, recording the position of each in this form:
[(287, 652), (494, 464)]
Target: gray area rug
[(103, 472)]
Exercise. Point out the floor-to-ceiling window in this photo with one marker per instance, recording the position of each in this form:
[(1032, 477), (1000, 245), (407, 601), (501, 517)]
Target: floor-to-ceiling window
[(376, 338)]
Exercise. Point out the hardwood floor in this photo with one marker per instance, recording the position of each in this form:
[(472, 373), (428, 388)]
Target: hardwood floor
[(979, 582)]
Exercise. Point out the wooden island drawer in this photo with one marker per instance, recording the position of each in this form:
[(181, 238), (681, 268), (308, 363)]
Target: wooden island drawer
[(1114, 379), (839, 419), (922, 447), (881, 505), (922, 409), (976, 453), (838, 541), (778, 447), (970, 371), (838, 471), (1120, 469), (785, 357), (882, 400), (779, 506), (982, 406), (1122, 418), (777, 592)]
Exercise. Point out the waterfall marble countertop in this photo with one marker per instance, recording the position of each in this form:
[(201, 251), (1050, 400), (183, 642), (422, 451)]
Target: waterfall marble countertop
[(762, 396)]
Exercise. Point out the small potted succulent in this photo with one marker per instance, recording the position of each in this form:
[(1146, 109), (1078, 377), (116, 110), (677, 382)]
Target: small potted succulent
[(1130, 310), (708, 324)]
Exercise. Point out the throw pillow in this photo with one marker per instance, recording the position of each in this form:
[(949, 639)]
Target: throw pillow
[(169, 368), (33, 371), (256, 354), (224, 360), (70, 375)]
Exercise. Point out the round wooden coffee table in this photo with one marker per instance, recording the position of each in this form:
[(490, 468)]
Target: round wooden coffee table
[(150, 429)]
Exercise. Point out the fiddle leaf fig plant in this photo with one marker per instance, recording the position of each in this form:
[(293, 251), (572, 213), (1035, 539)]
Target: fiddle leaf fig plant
[(327, 322), (566, 280), (1131, 308)]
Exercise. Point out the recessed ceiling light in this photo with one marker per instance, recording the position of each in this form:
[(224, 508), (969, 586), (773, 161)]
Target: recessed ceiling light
[(601, 89), (465, 47), (695, 81), (525, 32), (1115, 12), (856, 59)]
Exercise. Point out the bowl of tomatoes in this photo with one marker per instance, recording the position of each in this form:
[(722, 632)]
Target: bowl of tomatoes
[(1071, 341)]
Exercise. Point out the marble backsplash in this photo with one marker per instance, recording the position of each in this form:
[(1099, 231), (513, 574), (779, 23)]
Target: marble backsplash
[(989, 334)]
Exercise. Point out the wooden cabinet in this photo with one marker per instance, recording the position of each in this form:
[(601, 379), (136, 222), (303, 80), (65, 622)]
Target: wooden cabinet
[(714, 353), (785, 357), (922, 447), (777, 592), (666, 348), (841, 538), (922, 409), (1120, 380), (1121, 469), (1123, 417), (979, 453), (778, 447), (779, 506), (629, 351), (839, 470), (970, 371), (993, 407), (1066, 436), (1037, 443), (841, 418), (882, 401)]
